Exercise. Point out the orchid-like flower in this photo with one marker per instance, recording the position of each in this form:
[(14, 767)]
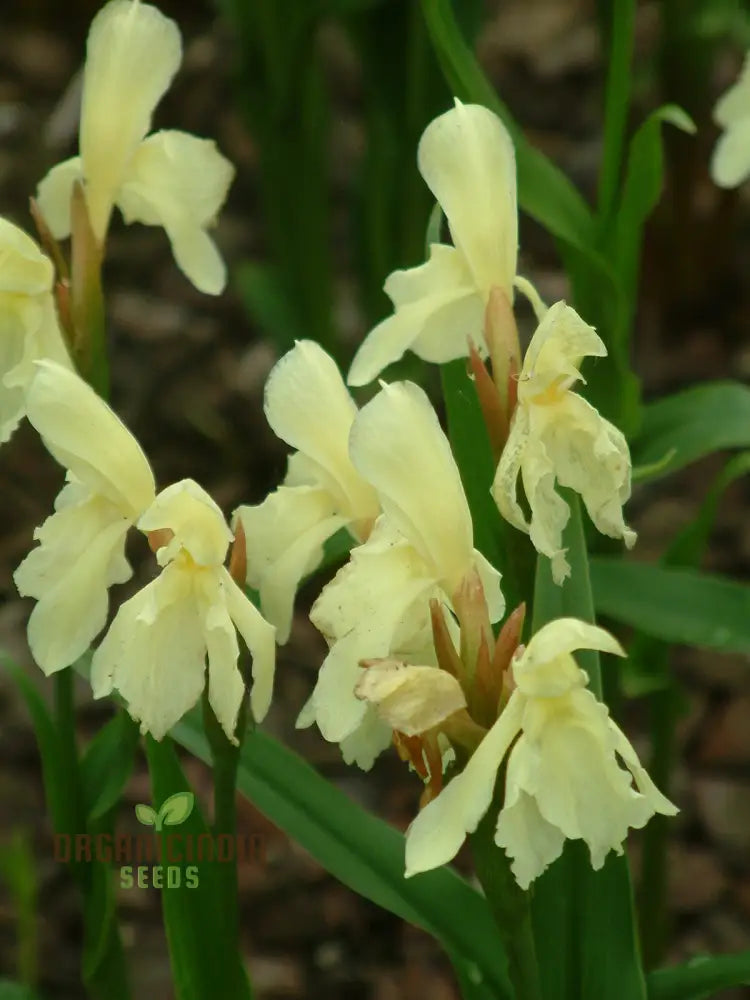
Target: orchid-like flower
[(563, 777), (156, 649), (467, 160), (81, 550), (169, 178), (730, 163), (28, 321), (309, 407), (421, 548), (556, 435)]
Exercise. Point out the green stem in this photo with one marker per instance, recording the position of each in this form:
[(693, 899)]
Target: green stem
[(663, 710), (616, 105), (225, 757), (510, 905)]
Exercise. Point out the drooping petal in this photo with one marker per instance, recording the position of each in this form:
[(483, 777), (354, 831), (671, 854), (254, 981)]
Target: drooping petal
[(659, 802), (466, 156), (527, 837), (730, 162), (549, 512), (284, 539), (260, 639), (154, 653), (397, 444), (196, 522), (180, 182), (54, 193), (591, 456), (81, 553), (437, 309), (438, 832), (491, 585), (409, 698), (365, 744), (132, 53), (225, 685), (84, 435), (309, 407), (545, 668), (505, 484)]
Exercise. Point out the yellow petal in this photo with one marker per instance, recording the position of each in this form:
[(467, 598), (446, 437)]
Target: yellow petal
[(197, 524), (559, 343), (437, 309), (367, 742), (24, 269), (132, 53), (411, 699), (546, 669), (466, 156), (54, 193), (154, 653), (180, 182), (397, 444), (438, 832), (84, 435), (260, 639), (284, 538), (730, 162), (734, 105), (81, 553), (226, 688), (528, 839), (309, 407)]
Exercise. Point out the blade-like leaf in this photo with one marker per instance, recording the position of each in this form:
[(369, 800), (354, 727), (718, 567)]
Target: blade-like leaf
[(691, 424), (107, 764), (700, 978), (676, 605), (362, 851)]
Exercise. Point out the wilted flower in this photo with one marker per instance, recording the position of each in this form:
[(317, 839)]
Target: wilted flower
[(467, 159), (309, 407), (169, 179), (421, 548), (730, 163), (563, 778), (156, 649), (556, 435), (28, 321), (81, 550)]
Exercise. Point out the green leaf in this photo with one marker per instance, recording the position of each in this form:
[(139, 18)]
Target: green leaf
[(17, 869), (641, 192), (16, 991), (691, 424), (175, 809), (363, 852), (700, 977), (204, 960), (675, 605), (584, 920), (145, 814), (107, 764), (268, 302)]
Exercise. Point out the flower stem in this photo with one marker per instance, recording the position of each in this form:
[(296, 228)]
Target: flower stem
[(225, 756), (510, 904)]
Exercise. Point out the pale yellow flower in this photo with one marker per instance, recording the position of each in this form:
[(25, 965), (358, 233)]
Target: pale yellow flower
[(309, 407), (81, 550), (168, 179), (421, 547), (29, 330), (730, 163), (466, 157), (557, 437), (156, 651), (563, 779)]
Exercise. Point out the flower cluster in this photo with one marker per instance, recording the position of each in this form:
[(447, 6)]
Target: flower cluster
[(416, 655)]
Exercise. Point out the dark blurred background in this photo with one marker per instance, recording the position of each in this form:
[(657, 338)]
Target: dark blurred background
[(320, 106)]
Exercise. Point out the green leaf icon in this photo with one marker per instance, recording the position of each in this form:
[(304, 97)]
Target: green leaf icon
[(145, 814), (175, 809)]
